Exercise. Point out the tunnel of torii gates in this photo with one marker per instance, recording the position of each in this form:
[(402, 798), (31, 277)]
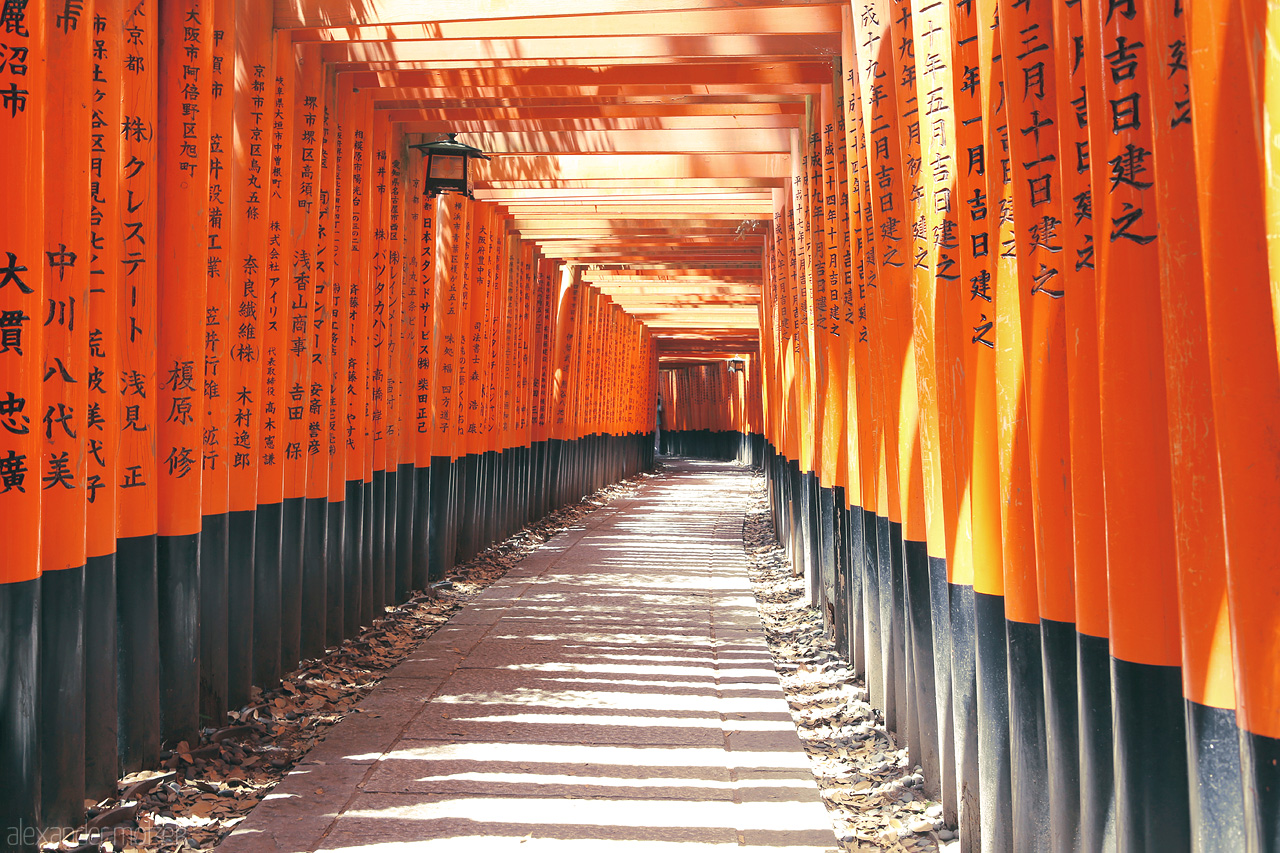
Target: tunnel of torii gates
[(985, 286)]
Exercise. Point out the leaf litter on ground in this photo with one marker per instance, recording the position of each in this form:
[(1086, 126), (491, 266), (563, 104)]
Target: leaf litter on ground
[(872, 791), (201, 791)]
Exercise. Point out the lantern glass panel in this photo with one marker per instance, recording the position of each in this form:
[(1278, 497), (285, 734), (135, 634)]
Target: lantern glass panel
[(447, 167)]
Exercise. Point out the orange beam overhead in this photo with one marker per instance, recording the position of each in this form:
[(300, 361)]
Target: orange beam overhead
[(645, 144), (323, 13), (613, 166), (515, 51), (801, 20), (705, 140), (700, 73)]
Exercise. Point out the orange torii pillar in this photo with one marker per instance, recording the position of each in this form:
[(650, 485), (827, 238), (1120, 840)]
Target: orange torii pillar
[(542, 413), (405, 213), (276, 298), (247, 269), (939, 346), (338, 596), (137, 475), (470, 304), (1039, 582), (319, 582), (22, 294), (182, 130), (215, 395), (449, 222), (103, 443), (1232, 97), (379, 284), (426, 355), (60, 417), (1149, 731)]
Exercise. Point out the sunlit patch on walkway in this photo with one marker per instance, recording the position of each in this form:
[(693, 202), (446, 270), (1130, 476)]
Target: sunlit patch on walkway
[(614, 691)]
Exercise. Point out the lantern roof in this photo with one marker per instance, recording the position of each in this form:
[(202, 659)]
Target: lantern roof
[(451, 145)]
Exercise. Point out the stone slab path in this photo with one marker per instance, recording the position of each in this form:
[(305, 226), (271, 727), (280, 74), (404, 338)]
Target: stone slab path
[(612, 692)]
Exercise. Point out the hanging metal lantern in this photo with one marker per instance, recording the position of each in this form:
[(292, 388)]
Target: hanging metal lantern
[(449, 165)]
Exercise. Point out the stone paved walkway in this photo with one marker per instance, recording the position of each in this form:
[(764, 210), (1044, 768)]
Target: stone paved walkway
[(612, 692)]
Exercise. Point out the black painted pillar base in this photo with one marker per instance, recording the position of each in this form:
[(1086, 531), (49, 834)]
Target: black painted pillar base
[(486, 514), (292, 531), (352, 546), (940, 619), (855, 562), (61, 697), (315, 578), (1152, 801), (871, 620), (178, 585), (377, 527), (893, 642), (101, 761), (918, 613), (1027, 750), (964, 709), (994, 780), (469, 526), (1217, 789), (807, 488), (370, 607), (440, 552), (1062, 733), (840, 540), (825, 540), (1097, 779), (241, 527), (795, 520), (335, 580), (1261, 771), (406, 497), (420, 529), (19, 716), (390, 554), (266, 595), (138, 653), (551, 476), (214, 603)]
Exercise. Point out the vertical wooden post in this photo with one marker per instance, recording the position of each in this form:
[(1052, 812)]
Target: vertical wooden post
[(1217, 814), (318, 582), (1039, 591), (379, 283), (185, 109), (62, 418), (1150, 747), (988, 506), (215, 441), (1097, 829), (875, 52), (359, 605), (301, 585), (250, 204), (426, 357), (939, 349), (1229, 93), (102, 442), (278, 210), (449, 214), (137, 480), (22, 296), (401, 457), (339, 591)]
